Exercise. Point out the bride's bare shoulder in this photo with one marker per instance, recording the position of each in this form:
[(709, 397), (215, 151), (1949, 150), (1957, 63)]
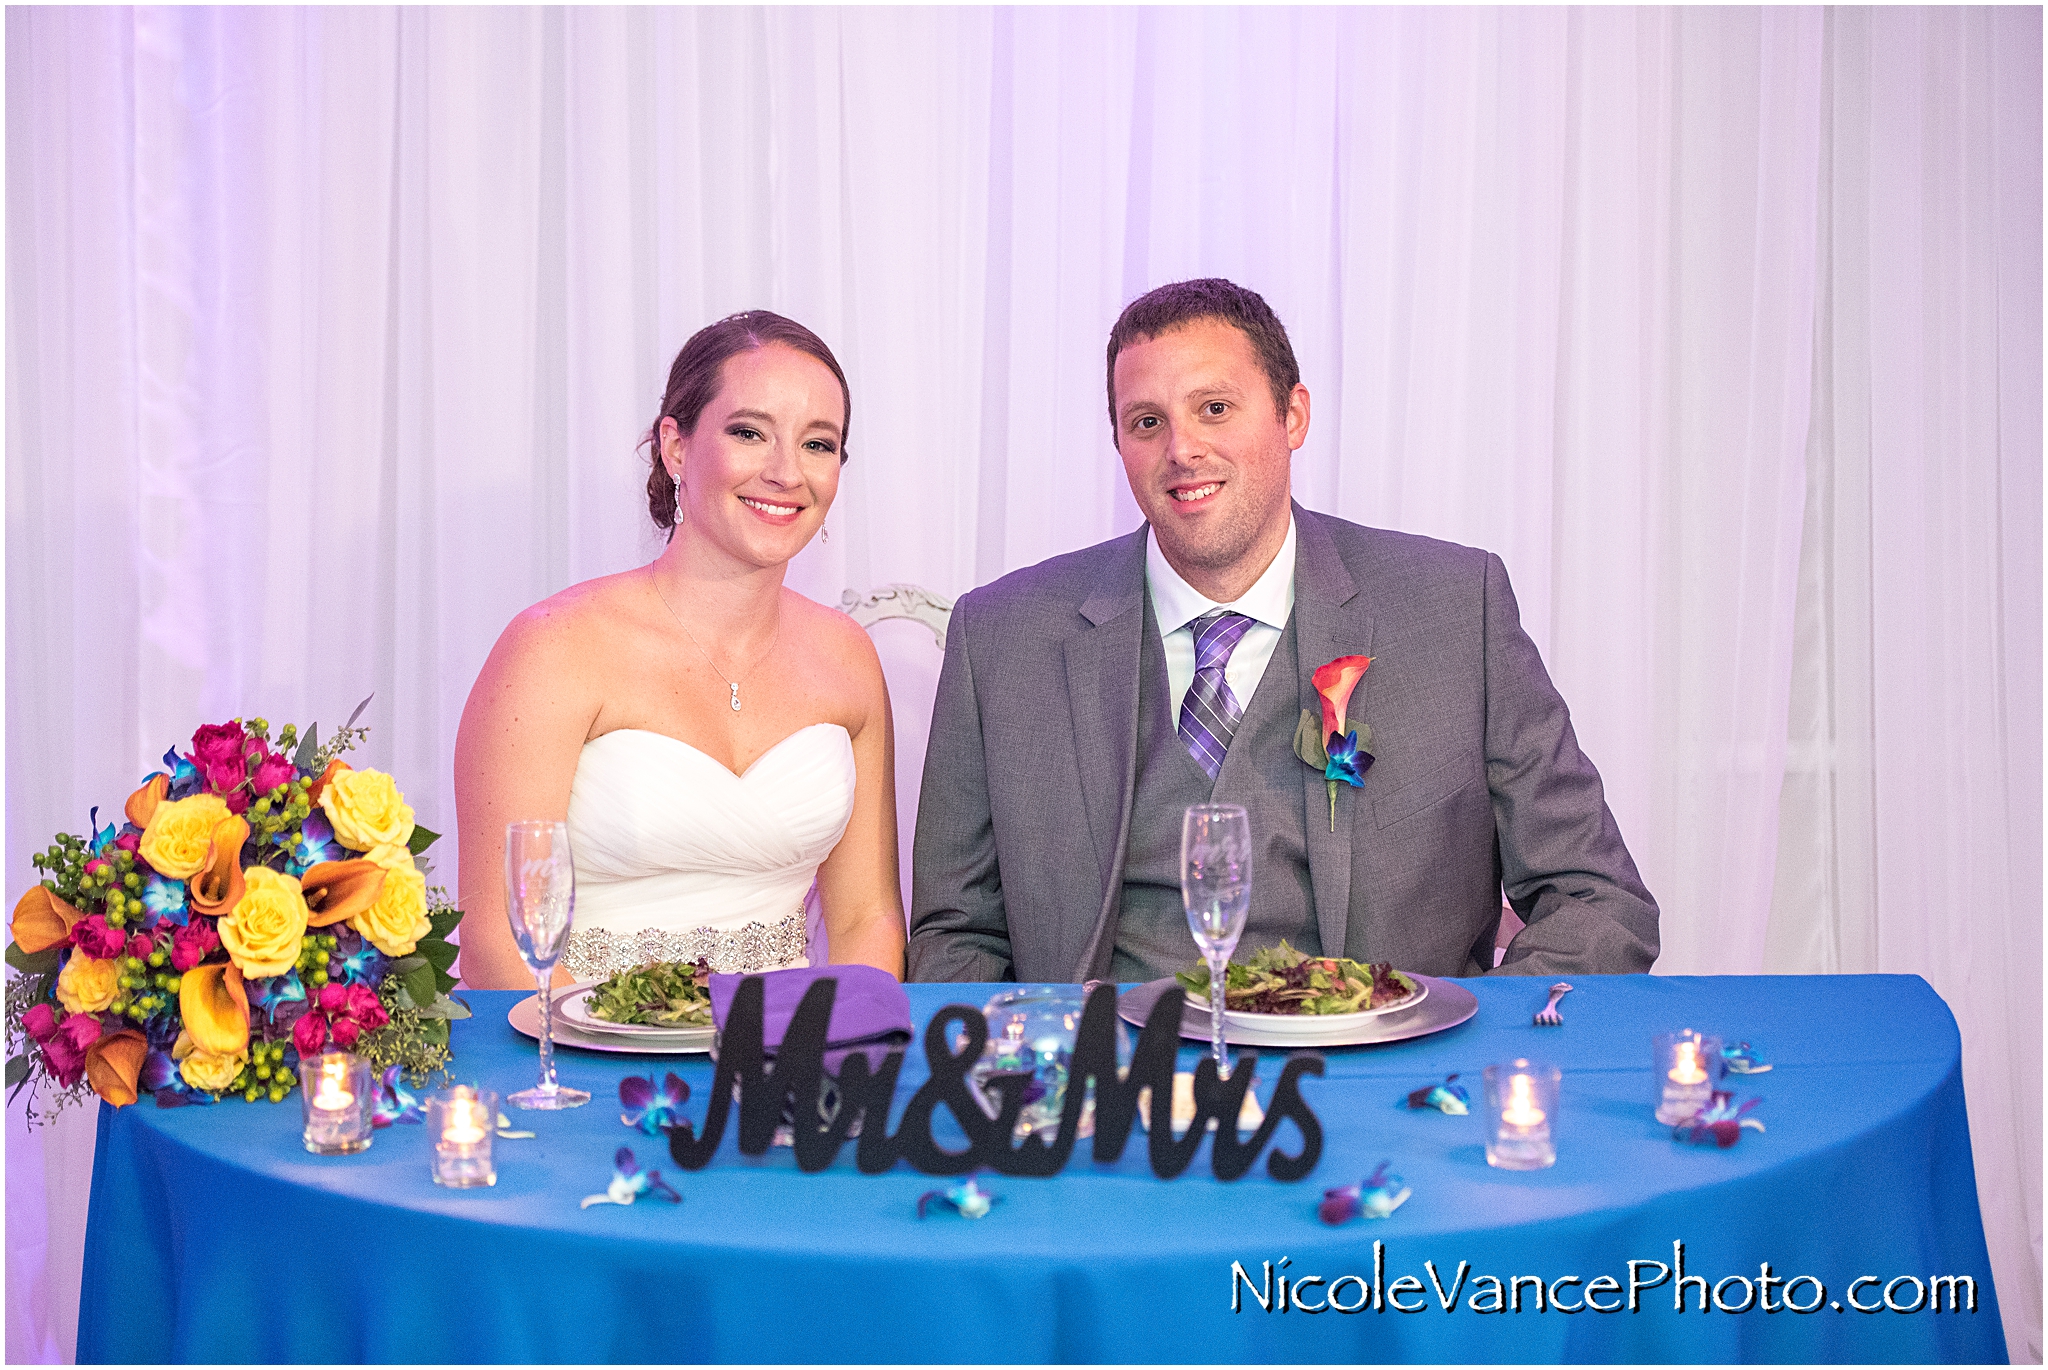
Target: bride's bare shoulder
[(576, 621)]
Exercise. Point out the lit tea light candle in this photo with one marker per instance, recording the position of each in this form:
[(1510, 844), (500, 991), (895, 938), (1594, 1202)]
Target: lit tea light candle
[(1687, 1064), (336, 1122), (1521, 1098), (462, 1149)]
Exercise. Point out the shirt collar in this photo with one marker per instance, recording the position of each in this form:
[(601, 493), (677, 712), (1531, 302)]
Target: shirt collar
[(1175, 603)]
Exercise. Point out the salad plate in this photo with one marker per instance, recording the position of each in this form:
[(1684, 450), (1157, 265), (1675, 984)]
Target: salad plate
[(1440, 1004), (524, 1017), (572, 1006)]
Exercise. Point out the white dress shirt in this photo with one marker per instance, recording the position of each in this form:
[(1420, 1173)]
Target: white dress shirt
[(1176, 604)]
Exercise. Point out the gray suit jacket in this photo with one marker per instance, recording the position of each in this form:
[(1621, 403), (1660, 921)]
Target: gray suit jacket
[(1478, 782)]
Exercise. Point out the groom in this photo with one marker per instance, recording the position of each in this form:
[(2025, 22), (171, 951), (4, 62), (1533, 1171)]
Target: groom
[(1087, 701)]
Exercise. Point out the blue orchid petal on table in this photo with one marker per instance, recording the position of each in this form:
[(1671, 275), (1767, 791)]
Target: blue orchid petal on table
[(1744, 1059), (630, 1182), (1448, 1097), (650, 1107), (1720, 1122), (1377, 1197), (969, 1200), (1346, 762), (394, 1102)]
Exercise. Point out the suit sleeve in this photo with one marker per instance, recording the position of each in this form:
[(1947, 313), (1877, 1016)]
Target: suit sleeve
[(959, 929), (1564, 866)]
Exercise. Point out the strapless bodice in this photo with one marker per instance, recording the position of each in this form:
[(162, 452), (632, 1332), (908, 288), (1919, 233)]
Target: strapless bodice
[(677, 857)]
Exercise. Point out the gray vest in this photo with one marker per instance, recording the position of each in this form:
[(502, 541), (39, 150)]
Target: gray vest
[(1261, 772)]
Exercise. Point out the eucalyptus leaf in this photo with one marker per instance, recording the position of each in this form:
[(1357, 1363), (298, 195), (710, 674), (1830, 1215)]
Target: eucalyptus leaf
[(420, 984), (17, 1069), (31, 963), (1308, 740), (359, 709), (422, 838), (406, 965), (435, 1030), (303, 757), (405, 997), (457, 1008)]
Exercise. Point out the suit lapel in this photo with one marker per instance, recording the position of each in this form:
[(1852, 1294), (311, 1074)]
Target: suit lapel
[(1329, 622), (1102, 661)]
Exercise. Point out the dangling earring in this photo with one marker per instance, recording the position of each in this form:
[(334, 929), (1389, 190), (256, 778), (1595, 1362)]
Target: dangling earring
[(676, 520), (824, 534)]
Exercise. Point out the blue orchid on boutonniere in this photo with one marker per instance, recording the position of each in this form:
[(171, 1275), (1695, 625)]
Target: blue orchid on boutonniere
[(1339, 747)]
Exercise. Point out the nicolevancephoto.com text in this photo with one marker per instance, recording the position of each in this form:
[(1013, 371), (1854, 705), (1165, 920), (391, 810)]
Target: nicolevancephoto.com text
[(1276, 1289)]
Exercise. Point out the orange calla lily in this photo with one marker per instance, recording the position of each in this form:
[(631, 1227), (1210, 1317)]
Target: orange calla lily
[(113, 1065), (215, 1008), (1334, 682), (218, 885), (334, 768), (42, 921), (336, 890), (143, 802)]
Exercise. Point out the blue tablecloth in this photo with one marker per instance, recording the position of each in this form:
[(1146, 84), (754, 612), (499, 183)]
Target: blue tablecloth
[(214, 1236)]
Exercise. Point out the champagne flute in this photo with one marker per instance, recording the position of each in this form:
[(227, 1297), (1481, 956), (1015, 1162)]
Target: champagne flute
[(540, 902), (1216, 886)]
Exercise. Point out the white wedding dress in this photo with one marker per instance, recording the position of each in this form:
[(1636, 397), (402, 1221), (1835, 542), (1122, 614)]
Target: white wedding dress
[(678, 858)]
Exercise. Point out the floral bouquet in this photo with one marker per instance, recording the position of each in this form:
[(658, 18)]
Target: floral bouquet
[(261, 901)]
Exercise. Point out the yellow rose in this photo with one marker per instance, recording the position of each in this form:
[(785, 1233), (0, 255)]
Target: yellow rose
[(88, 985), (212, 1071), (397, 921), (367, 810), (262, 932), (179, 833)]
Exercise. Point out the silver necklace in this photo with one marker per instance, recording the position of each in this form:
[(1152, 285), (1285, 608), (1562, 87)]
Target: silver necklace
[(734, 685)]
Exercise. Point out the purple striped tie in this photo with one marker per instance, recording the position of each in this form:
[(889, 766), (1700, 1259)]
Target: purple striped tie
[(1210, 713)]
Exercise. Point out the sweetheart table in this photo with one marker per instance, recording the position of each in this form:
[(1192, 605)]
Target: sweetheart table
[(213, 1235)]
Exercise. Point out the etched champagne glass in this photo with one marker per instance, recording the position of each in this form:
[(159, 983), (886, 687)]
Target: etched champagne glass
[(540, 902), (1216, 886)]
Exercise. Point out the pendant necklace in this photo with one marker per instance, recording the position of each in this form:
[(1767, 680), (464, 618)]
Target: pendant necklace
[(734, 685)]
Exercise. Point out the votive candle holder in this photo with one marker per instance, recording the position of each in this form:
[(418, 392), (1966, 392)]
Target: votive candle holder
[(335, 1089), (462, 1122), (1521, 1112), (1688, 1068)]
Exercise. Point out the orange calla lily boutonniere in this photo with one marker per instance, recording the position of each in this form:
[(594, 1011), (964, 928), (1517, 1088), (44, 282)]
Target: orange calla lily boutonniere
[(1337, 746), (261, 898)]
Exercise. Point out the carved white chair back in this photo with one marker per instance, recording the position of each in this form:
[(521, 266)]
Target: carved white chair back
[(908, 625)]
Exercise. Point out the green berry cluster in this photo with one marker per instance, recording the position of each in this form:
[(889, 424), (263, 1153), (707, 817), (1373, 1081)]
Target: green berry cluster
[(314, 949), (264, 1075), (146, 988), (65, 875)]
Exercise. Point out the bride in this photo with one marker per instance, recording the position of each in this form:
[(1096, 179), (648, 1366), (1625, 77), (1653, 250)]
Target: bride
[(714, 740)]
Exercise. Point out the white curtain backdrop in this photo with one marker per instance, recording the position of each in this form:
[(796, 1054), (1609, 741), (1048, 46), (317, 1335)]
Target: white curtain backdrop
[(331, 333)]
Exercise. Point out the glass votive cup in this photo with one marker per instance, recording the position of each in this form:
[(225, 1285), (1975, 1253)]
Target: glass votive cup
[(462, 1122), (1521, 1109), (1687, 1070), (335, 1090)]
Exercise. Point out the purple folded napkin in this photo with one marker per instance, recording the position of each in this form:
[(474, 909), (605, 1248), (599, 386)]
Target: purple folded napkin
[(870, 1011)]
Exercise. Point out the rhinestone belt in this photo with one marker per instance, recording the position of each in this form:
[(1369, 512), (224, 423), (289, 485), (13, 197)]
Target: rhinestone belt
[(599, 953)]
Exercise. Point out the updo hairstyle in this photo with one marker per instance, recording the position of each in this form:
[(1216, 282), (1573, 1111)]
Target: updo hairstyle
[(694, 378)]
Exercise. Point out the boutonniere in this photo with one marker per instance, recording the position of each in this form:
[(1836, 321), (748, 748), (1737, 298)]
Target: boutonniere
[(1339, 747)]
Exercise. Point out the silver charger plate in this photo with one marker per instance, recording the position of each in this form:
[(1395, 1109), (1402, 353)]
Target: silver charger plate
[(525, 1019), (1447, 1004)]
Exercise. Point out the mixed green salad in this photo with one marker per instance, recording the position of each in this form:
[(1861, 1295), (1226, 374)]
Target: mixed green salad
[(658, 994), (1283, 980)]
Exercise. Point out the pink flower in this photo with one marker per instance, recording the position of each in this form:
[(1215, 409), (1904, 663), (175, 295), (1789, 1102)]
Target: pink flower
[(270, 771), (309, 1034), (129, 840), (140, 947), (225, 778), (218, 744), (64, 1053), (40, 1023), (333, 999), (193, 943), (92, 936), (362, 1003), (346, 1030)]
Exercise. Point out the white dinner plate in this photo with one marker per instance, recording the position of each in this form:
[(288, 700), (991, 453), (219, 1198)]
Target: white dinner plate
[(571, 1009), (524, 1017), (1444, 1004)]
